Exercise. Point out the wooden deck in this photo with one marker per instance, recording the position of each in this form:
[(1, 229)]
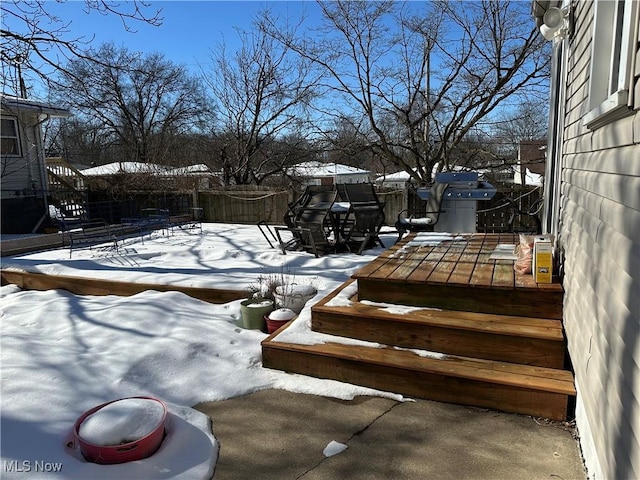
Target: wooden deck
[(490, 337), (457, 273)]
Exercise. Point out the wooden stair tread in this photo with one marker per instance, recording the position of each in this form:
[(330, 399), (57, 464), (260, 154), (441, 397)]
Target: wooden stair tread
[(531, 327), (524, 376), (547, 329), (522, 302)]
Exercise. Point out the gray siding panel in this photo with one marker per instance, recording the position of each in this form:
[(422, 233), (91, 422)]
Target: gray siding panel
[(17, 181), (623, 161), (600, 238), (621, 189), (601, 329)]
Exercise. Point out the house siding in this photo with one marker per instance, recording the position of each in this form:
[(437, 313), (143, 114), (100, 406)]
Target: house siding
[(599, 236), (636, 76), (26, 170), (23, 192)]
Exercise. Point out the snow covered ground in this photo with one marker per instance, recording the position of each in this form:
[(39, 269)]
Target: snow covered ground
[(63, 354)]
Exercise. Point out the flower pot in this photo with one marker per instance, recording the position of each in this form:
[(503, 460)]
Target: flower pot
[(294, 296), (279, 318), (253, 311), (135, 449)]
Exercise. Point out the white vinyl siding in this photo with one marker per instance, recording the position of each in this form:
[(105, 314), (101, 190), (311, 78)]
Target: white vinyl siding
[(600, 236), (23, 175)]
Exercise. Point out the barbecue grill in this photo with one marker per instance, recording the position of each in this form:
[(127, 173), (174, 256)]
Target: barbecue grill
[(459, 204)]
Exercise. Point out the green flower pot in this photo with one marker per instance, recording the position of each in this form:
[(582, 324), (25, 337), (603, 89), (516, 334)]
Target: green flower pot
[(253, 311)]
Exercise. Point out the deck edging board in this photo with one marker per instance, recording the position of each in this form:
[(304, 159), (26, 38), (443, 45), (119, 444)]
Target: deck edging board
[(94, 286)]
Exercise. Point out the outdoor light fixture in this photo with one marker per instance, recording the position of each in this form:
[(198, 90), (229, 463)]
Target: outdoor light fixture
[(556, 23)]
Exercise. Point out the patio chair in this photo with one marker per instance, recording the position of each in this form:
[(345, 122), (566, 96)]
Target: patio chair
[(361, 193), (362, 226), (289, 218), (309, 222), (341, 188), (423, 221), (314, 222)]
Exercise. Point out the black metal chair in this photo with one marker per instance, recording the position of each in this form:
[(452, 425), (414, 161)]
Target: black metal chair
[(424, 220), (289, 218), (315, 224), (361, 227), (309, 221)]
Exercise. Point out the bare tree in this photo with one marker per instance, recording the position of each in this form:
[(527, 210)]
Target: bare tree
[(433, 75), (346, 142), (78, 141), (145, 104), (529, 121), (262, 92), (36, 44)]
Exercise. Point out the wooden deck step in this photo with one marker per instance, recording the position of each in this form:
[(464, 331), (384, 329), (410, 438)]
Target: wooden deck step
[(503, 386), (497, 334), (518, 302), (522, 340)]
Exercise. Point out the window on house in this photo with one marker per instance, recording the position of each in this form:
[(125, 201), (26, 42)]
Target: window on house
[(9, 140), (611, 61)]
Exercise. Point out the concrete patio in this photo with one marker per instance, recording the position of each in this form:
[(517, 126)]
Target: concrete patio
[(275, 434)]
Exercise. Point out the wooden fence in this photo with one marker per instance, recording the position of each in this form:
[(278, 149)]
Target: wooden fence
[(493, 215), (395, 201), (244, 206), (250, 205)]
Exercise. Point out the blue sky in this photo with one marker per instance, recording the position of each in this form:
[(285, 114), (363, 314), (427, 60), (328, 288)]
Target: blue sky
[(190, 29)]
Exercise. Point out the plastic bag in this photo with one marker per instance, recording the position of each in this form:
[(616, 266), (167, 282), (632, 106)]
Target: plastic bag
[(524, 254)]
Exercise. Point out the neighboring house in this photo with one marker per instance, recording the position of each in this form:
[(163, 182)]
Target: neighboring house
[(24, 176), (116, 168), (531, 162), (399, 180), (200, 176), (170, 178), (527, 177), (592, 204), (318, 173), (199, 169)]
